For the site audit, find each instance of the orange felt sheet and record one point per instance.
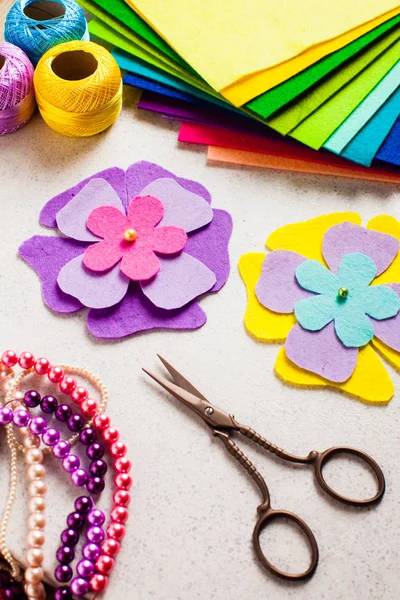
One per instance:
(285, 163)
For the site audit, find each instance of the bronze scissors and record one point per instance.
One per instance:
(222, 424)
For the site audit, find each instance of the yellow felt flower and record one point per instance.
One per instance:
(329, 289)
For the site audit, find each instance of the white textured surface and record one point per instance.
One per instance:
(5, 6)
(193, 507)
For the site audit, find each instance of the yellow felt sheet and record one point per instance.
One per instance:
(260, 322)
(370, 380)
(243, 49)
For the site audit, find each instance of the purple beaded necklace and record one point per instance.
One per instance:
(85, 513)
(116, 450)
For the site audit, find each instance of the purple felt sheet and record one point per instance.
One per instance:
(348, 238)
(115, 177)
(180, 279)
(277, 289)
(175, 201)
(388, 330)
(72, 218)
(195, 113)
(321, 352)
(47, 255)
(136, 313)
(95, 290)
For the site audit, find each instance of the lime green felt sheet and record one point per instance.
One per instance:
(290, 117)
(318, 127)
(266, 104)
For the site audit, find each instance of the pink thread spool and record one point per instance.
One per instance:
(17, 98)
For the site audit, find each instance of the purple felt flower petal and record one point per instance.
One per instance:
(321, 352)
(210, 246)
(136, 313)
(180, 280)
(95, 290)
(47, 255)
(277, 288)
(348, 238)
(388, 330)
(120, 308)
(141, 174)
(115, 177)
(182, 207)
(72, 219)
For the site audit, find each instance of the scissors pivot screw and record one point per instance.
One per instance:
(209, 411)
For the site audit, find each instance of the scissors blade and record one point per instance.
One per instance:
(180, 380)
(213, 416)
(190, 400)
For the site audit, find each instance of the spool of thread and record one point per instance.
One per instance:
(17, 97)
(37, 25)
(78, 88)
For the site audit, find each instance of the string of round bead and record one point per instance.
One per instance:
(37, 489)
(89, 408)
(93, 481)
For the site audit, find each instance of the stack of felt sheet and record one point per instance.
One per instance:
(309, 85)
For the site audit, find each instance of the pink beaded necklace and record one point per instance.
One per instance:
(34, 431)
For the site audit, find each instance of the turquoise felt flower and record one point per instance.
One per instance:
(347, 299)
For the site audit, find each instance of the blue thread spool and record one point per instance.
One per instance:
(36, 26)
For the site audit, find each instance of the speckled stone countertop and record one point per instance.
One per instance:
(193, 508)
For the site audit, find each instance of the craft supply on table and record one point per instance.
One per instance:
(336, 320)
(174, 249)
(230, 156)
(17, 96)
(244, 51)
(78, 88)
(227, 146)
(111, 17)
(223, 424)
(390, 149)
(365, 111)
(38, 25)
(91, 429)
(334, 90)
(253, 144)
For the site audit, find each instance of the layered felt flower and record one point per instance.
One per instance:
(331, 289)
(136, 247)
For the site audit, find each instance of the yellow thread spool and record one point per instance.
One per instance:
(78, 88)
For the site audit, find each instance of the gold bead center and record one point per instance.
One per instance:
(343, 292)
(130, 235)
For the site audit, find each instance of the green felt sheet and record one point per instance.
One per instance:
(288, 118)
(319, 126)
(124, 14)
(137, 42)
(106, 33)
(268, 103)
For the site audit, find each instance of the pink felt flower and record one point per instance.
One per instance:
(138, 248)
(132, 239)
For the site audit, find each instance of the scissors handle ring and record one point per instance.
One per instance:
(265, 519)
(324, 457)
